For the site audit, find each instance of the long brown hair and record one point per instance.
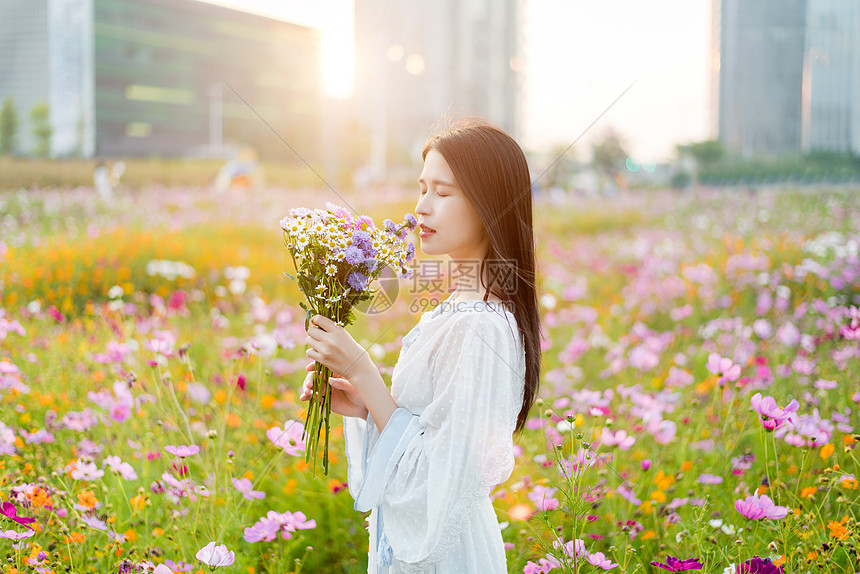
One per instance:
(492, 171)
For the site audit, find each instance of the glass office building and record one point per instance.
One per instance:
(166, 77)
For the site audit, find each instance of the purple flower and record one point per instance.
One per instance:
(758, 565)
(94, 522)
(410, 219)
(755, 507)
(677, 565)
(724, 367)
(212, 555)
(353, 255)
(357, 281)
(771, 416)
(182, 450)
(9, 510)
(710, 479)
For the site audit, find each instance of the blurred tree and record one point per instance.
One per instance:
(40, 118)
(8, 127)
(706, 153)
(562, 166)
(609, 153)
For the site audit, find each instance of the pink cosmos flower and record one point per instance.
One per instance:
(756, 507)
(114, 353)
(542, 567)
(124, 469)
(771, 416)
(244, 486)
(163, 344)
(727, 369)
(86, 470)
(290, 438)
(599, 560)
(572, 548)
(620, 438)
(542, 497)
(212, 555)
(182, 450)
(268, 527)
(13, 535)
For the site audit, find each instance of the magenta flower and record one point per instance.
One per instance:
(755, 508)
(290, 438)
(727, 369)
(8, 510)
(758, 565)
(771, 416)
(677, 565)
(182, 451)
(212, 555)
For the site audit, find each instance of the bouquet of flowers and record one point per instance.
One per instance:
(336, 257)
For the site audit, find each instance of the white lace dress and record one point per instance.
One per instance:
(427, 477)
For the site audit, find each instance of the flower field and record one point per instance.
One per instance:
(698, 405)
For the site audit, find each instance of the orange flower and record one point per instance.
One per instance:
(87, 499)
(808, 491)
(837, 529)
(826, 451)
(849, 484)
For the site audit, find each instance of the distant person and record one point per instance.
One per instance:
(241, 172)
(107, 179)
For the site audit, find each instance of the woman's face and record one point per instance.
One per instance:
(443, 206)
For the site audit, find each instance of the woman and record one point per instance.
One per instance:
(425, 456)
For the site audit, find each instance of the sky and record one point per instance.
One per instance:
(580, 56)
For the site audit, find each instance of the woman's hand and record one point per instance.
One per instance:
(331, 345)
(345, 400)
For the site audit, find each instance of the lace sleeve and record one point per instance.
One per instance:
(433, 470)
